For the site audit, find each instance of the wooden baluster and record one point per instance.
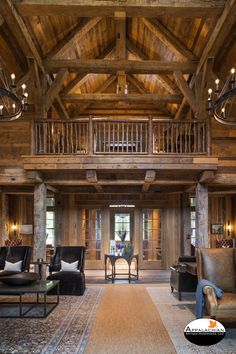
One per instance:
(109, 136)
(113, 136)
(141, 137)
(118, 136)
(122, 137)
(127, 137)
(132, 136)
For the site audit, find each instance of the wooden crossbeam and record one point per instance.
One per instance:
(112, 66)
(101, 89)
(141, 88)
(185, 89)
(77, 33)
(133, 8)
(166, 82)
(55, 88)
(83, 77)
(23, 37)
(111, 97)
(168, 38)
(216, 41)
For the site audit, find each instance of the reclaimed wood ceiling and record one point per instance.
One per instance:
(167, 38)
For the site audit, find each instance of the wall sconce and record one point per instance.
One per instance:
(14, 228)
(228, 228)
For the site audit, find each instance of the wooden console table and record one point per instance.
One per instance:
(113, 275)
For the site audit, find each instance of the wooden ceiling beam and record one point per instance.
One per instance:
(55, 88)
(101, 89)
(141, 88)
(83, 77)
(112, 97)
(185, 89)
(165, 81)
(75, 35)
(168, 38)
(134, 8)
(20, 32)
(150, 177)
(216, 41)
(112, 66)
(91, 177)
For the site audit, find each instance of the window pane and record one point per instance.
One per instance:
(51, 202)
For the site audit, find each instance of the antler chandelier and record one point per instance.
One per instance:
(11, 104)
(221, 102)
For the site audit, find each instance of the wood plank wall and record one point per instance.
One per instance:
(21, 212)
(15, 141)
(221, 209)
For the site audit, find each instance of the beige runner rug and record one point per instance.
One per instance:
(127, 321)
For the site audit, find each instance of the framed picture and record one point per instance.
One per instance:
(217, 228)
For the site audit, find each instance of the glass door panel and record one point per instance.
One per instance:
(152, 248)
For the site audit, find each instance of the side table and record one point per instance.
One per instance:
(40, 264)
(182, 281)
(113, 275)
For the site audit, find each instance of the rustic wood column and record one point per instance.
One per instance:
(40, 194)
(186, 247)
(202, 238)
(3, 218)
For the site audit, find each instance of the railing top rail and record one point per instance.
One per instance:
(119, 120)
(85, 120)
(178, 121)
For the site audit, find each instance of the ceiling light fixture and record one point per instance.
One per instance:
(221, 103)
(11, 104)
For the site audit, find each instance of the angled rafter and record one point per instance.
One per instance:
(101, 89)
(185, 89)
(164, 79)
(134, 8)
(55, 88)
(167, 37)
(77, 33)
(216, 41)
(140, 86)
(112, 66)
(20, 32)
(112, 97)
(81, 77)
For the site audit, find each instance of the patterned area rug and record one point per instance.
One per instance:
(64, 331)
(177, 314)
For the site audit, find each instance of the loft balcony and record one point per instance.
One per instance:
(91, 137)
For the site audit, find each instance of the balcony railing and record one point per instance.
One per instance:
(116, 137)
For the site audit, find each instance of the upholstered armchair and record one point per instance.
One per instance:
(219, 266)
(71, 282)
(15, 254)
(3, 256)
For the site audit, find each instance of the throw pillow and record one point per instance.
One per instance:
(69, 267)
(13, 267)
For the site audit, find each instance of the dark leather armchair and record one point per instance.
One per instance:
(71, 283)
(15, 254)
(3, 256)
(219, 266)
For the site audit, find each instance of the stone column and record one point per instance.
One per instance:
(40, 198)
(186, 225)
(202, 238)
